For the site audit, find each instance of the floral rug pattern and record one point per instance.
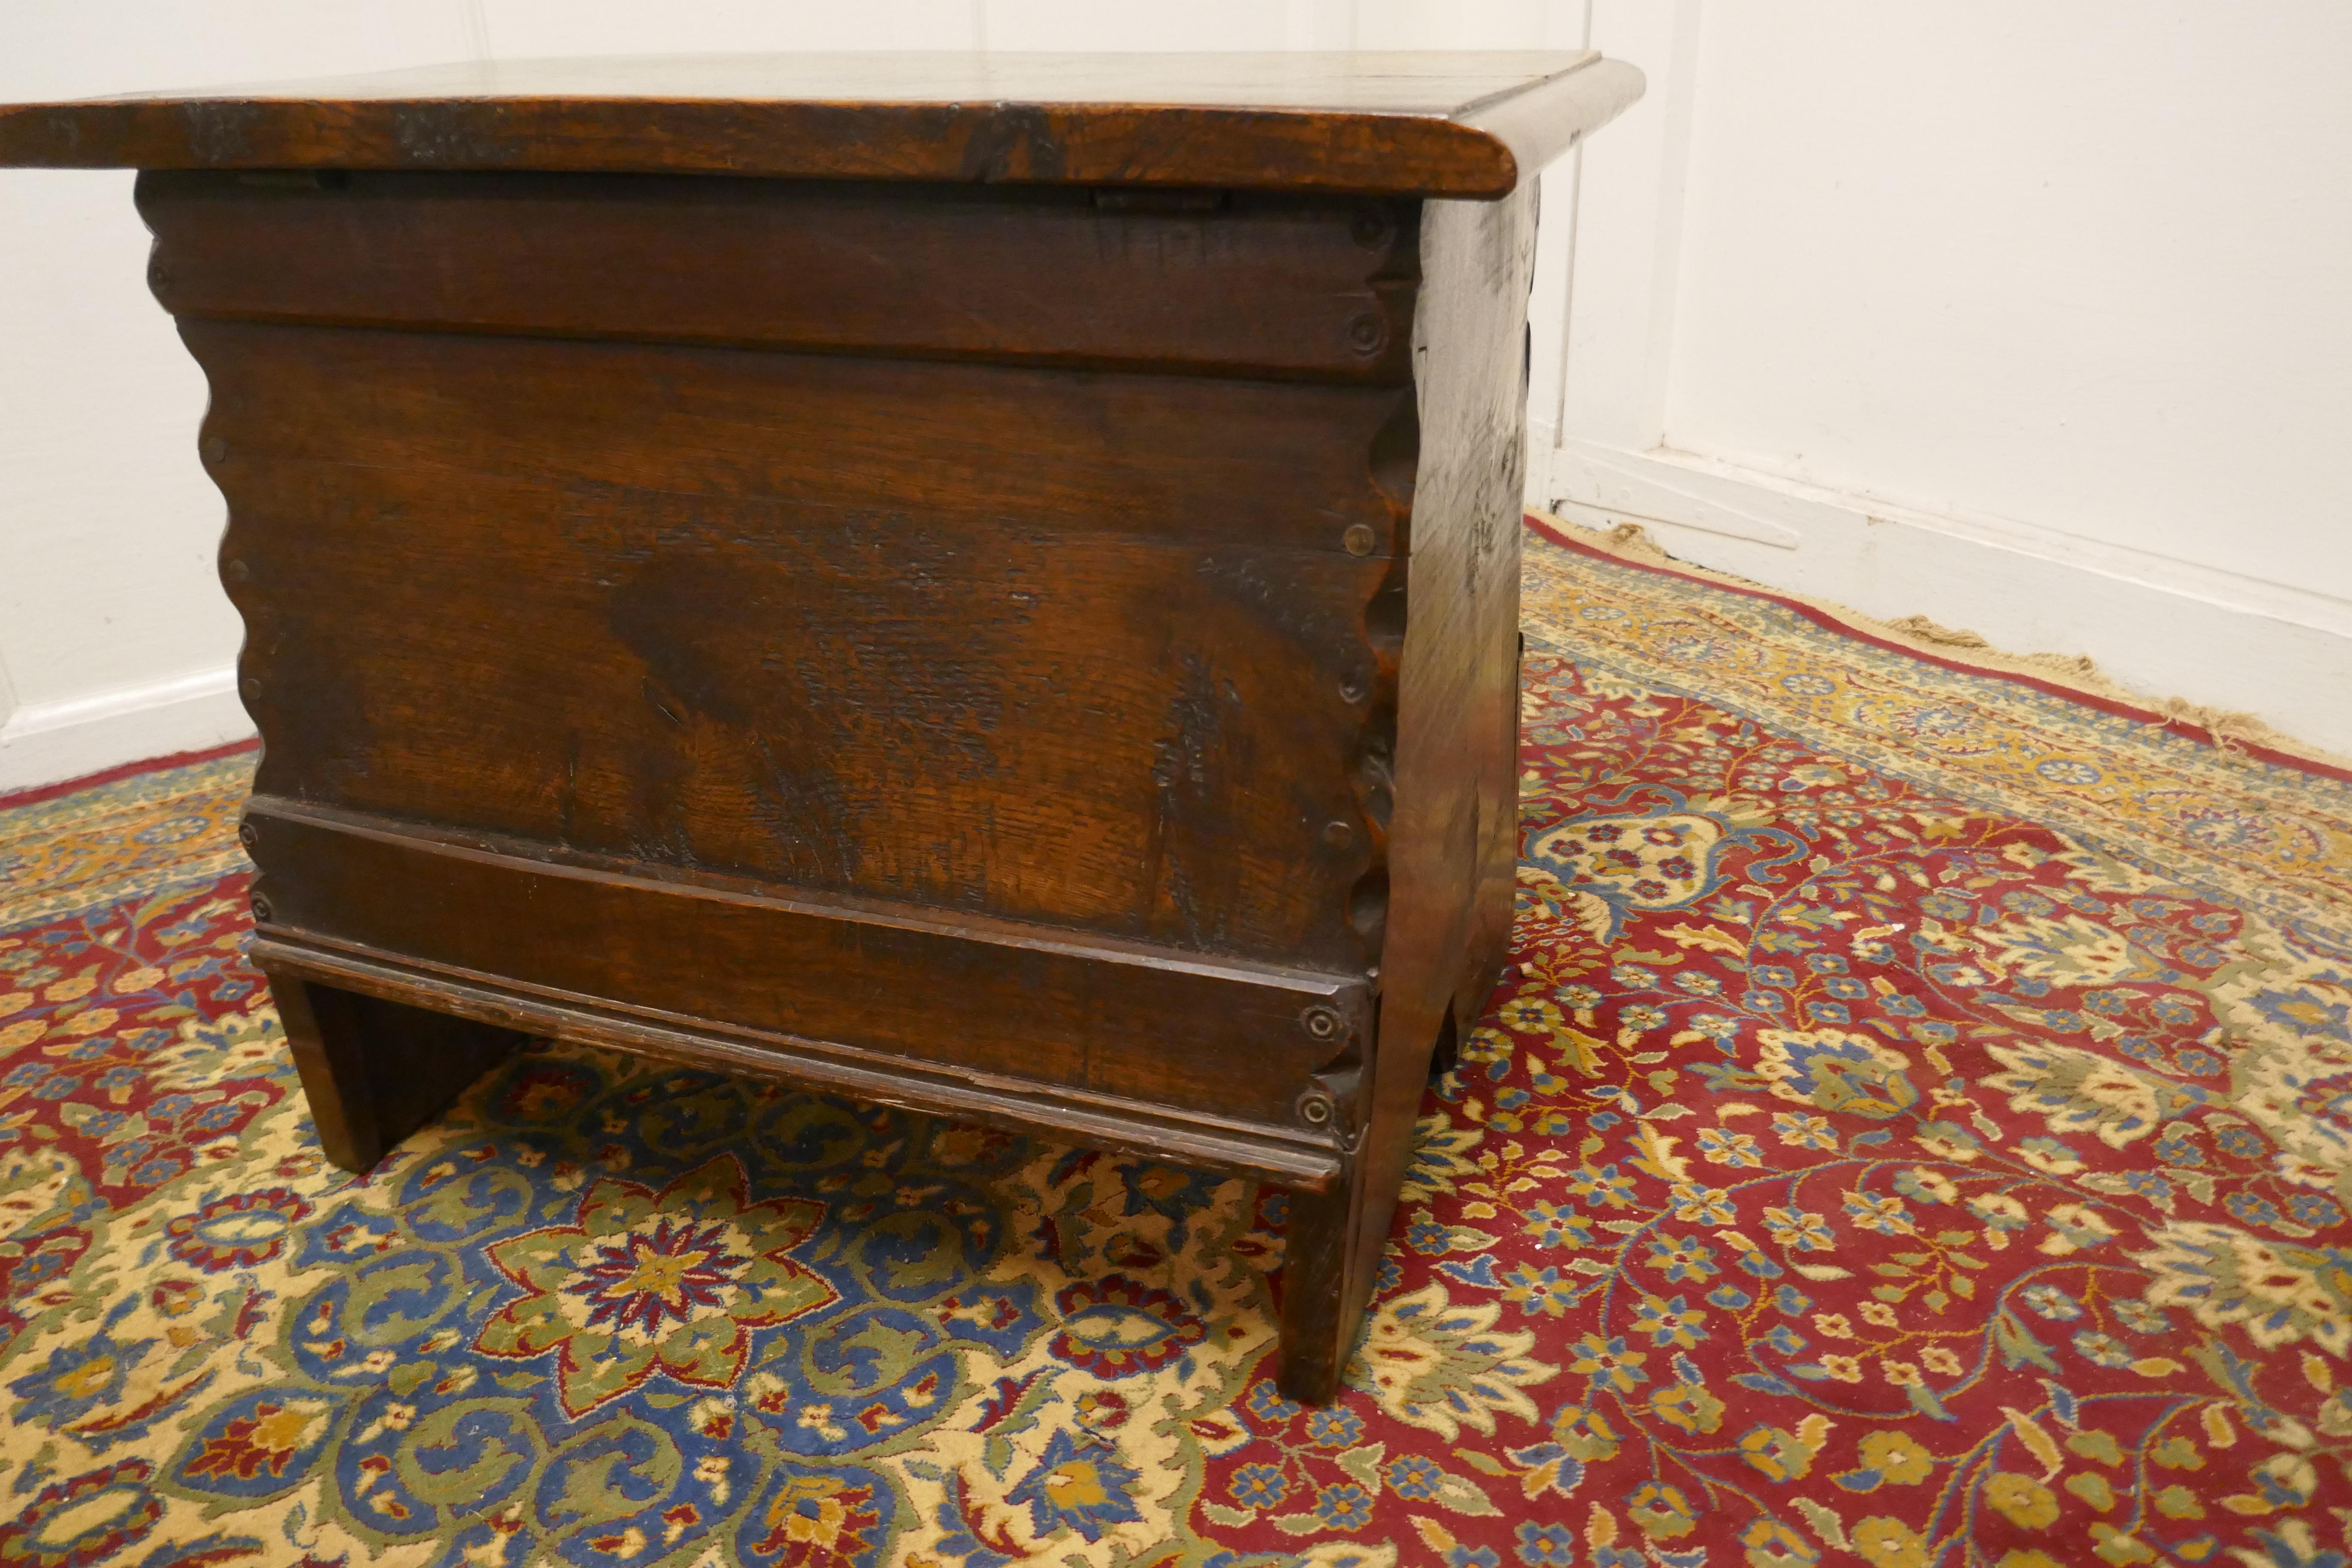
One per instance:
(1918, 1131)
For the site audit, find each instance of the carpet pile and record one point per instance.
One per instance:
(1917, 1133)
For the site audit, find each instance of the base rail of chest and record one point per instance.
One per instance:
(1012, 1105)
(1210, 1063)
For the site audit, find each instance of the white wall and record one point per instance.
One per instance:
(115, 641)
(2033, 319)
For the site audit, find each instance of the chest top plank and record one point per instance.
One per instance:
(1461, 125)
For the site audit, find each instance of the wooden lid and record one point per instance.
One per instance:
(1426, 123)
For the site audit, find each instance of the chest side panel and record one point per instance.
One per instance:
(1088, 646)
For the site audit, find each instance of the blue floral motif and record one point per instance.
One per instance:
(1258, 1486)
(1081, 1489)
(1545, 1545)
(1344, 1505)
(1331, 1428)
(80, 1377)
(1268, 1405)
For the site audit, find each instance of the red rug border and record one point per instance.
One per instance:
(36, 794)
(1831, 623)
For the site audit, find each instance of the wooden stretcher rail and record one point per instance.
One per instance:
(1009, 1104)
(1075, 1019)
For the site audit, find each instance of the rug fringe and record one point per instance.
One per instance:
(2230, 731)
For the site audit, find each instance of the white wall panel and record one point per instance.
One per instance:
(114, 638)
(2033, 317)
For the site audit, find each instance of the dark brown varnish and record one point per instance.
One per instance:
(1042, 653)
(1417, 123)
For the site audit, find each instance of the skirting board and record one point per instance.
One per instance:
(2159, 626)
(44, 742)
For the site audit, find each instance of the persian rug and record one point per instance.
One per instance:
(1917, 1131)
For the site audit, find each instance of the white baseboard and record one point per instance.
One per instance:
(44, 742)
(2161, 626)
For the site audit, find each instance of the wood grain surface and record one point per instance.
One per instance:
(1085, 649)
(1424, 123)
(1225, 1043)
(1231, 282)
(1452, 838)
(1015, 1105)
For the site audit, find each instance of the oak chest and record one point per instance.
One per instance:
(983, 583)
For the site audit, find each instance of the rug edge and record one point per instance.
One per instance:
(1850, 623)
(37, 794)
